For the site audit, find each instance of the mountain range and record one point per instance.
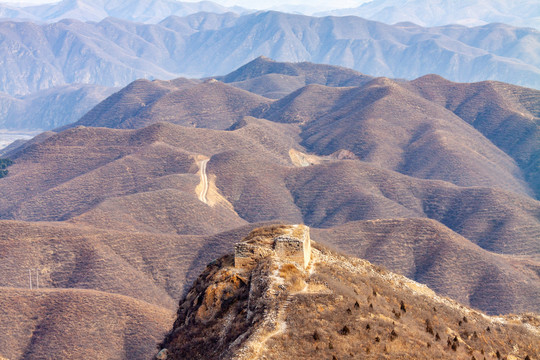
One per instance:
(435, 180)
(147, 11)
(115, 52)
(66, 67)
(523, 13)
(50, 108)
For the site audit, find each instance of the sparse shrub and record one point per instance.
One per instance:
(349, 311)
(393, 335)
(437, 337)
(316, 336)
(374, 292)
(429, 328)
(527, 357)
(475, 335)
(488, 329)
(368, 327)
(368, 350)
(330, 345)
(454, 346)
(473, 358)
(345, 330)
(465, 319)
(460, 322)
(334, 357)
(370, 306)
(377, 339)
(397, 314)
(4, 163)
(498, 354)
(356, 305)
(402, 306)
(428, 345)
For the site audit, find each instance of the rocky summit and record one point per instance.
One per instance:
(283, 296)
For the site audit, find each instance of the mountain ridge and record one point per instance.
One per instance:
(138, 209)
(429, 13)
(139, 11)
(175, 48)
(275, 307)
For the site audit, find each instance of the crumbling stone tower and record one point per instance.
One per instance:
(293, 245)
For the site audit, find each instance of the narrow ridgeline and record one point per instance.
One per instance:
(282, 296)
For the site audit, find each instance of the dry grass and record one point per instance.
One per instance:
(128, 220)
(359, 311)
(78, 324)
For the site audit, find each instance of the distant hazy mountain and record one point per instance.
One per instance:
(50, 108)
(115, 52)
(442, 12)
(147, 11)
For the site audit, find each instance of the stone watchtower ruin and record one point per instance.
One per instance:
(290, 243)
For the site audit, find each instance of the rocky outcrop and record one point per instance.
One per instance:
(339, 307)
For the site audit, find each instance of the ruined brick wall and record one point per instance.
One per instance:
(246, 255)
(294, 247)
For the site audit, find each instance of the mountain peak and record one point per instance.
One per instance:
(258, 303)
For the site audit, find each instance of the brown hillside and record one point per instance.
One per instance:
(421, 139)
(337, 192)
(508, 115)
(430, 253)
(212, 105)
(67, 256)
(338, 307)
(274, 80)
(145, 181)
(126, 103)
(164, 211)
(74, 171)
(78, 324)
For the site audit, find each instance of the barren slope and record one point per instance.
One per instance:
(145, 181)
(274, 79)
(338, 307)
(78, 324)
(507, 115)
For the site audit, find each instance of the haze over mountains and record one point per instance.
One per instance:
(115, 52)
(125, 41)
(50, 108)
(146, 11)
(523, 13)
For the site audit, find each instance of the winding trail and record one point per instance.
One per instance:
(204, 182)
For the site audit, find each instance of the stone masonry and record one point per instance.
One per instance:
(293, 246)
